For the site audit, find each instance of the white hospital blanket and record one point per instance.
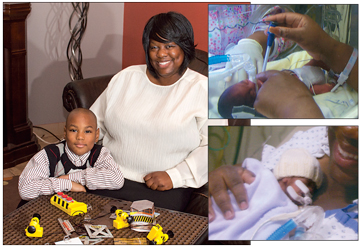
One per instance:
(266, 199)
(338, 104)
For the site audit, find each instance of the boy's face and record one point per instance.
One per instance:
(80, 132)
(290, 181)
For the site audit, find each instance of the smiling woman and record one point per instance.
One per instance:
(168, 41)
(343, 166)
(153, 118)
(166, 59)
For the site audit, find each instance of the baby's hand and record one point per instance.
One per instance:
(77, 187)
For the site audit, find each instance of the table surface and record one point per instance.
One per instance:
(187, 228)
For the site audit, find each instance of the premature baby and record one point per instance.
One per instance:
(297, 174)
(244, 92)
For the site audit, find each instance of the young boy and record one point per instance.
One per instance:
(73, 164)
(270, 194)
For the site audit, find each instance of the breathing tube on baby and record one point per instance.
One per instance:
(305, 221)
(238, 62)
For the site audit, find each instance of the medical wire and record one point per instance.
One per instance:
(238, 145)
(226, 144)
(262, 146)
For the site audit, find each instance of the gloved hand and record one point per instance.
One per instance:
(254, 50)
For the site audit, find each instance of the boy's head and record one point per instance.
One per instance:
(80, 131)
(298, 164)
(242, 93)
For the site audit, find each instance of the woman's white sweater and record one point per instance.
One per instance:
(150, 128)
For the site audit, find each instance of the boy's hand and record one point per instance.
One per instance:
(158, 181)
(77, 187)
(64, 177)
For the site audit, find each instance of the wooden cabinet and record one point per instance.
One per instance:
(19, 142)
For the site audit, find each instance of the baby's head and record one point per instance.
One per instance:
(299, 175)
(242, 93)
(80, 131)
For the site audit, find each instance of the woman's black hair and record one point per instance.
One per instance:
(170, 27)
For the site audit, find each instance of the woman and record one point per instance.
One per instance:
(340, 183)
(153, 118)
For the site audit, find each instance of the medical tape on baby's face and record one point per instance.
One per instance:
(306, 200)
(295, 196)
(305, 190)
(302, 187)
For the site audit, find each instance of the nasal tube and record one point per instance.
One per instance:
(303, 200)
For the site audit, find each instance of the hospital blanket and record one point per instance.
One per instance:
(266, 199)
(292, 61)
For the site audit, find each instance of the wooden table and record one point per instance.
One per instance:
(187, 228)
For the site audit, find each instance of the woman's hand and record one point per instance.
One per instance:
(158, 181)
(304, 31)
(284, 96)
(232, 178)
(309, 35)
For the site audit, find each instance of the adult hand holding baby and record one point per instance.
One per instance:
(283, 95)
(230, 177)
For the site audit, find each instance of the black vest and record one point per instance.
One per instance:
(56, 153)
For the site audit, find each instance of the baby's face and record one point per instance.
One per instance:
(290, 181)
(242, 93)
